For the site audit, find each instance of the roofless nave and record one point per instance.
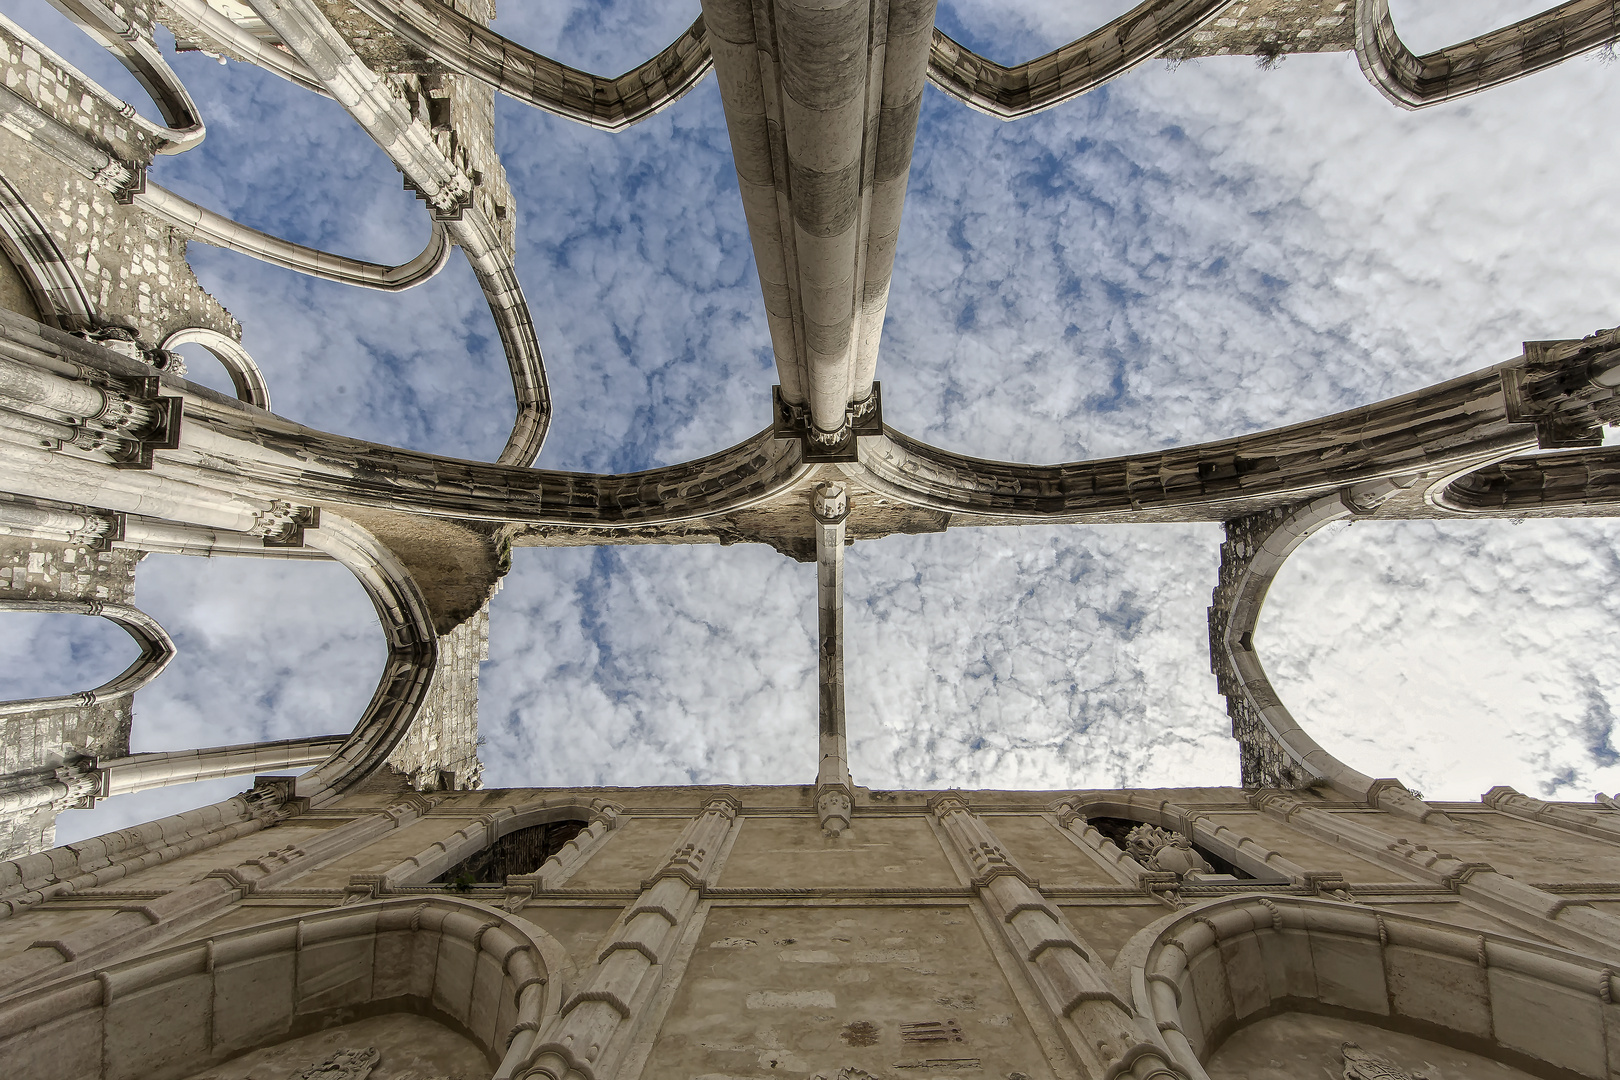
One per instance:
(583, 962)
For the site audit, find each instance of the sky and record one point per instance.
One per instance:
(1186, 254)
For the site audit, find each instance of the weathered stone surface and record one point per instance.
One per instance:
(823, 930)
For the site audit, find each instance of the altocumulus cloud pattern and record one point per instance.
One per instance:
(1194, 251)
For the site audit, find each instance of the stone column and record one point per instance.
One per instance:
(74, 784)
(834, 789)
(122, 417)
(79, 525)
(598, 1022)
(821, 102)
(1075, 985)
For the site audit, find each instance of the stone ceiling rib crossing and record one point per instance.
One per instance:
(821, 103)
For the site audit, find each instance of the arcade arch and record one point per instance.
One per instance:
(1200, 974)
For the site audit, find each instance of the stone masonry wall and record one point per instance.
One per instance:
(1265, 762)
(133, 266)
(1270, 29)
(444, 737)
(34, 744)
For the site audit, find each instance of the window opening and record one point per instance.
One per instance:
(1119, 829)
(520, 852)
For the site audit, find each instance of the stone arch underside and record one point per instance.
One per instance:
(1199, 974)
(174, 1011)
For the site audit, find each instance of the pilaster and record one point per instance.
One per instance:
(1574, 923)
(1072, 982)
(598, 1021)
(834, 789)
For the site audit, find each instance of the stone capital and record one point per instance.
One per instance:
(831, 503)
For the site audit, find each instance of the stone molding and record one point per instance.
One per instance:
(1252, 954)
(156, 650)
(1070, 981)
(1480, 63)
(599, 1021)
(1574, 924)
(497, 977)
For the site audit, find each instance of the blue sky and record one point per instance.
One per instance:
(1183, 255)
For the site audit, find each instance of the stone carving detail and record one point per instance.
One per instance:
(1165, 851)
(1360, 1065)
(347, 1064)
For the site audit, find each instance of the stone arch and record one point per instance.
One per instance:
(1202, 973)
(1277, 750)
(1219, 843)
(249, 381)
(157, 649)
(442, 856)
(1480, 63)
(53, 284)
(175, 1011)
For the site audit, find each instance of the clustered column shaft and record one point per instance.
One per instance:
(834, 789)
(1076, 987)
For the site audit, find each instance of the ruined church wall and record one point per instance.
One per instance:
(882, 950)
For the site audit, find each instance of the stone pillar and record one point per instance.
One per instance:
(26, 519)
(834, 789)
(597, 1023)
(821, 102)
(1073, 983)
(124, 418)
(46, 744)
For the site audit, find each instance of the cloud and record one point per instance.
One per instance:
(1455, 655)
(55, 655)
(1183, 255)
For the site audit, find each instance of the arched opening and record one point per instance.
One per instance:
(267, 649)
(1142, 841)
(521, 852)
(1409, 992)
(427, 967)
(205, 368)
(50, 654)
(1431, 25)
(1456, 655)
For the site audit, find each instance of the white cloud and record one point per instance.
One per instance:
(54, 655)
(1455, 655)
(1182, 256)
